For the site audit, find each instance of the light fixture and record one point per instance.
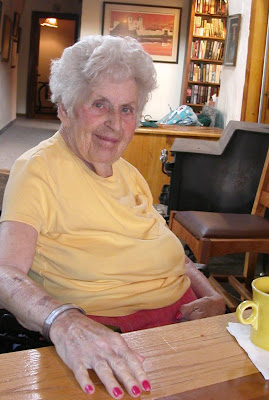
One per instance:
(51, 22)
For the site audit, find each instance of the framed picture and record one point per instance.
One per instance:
(6, 35)
(231, 43)
(15, 26)
(1, 6)
(156, 28)
(13, 58)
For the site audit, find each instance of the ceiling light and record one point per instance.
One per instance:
(51, 22)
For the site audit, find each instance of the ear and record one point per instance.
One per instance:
(63, 115)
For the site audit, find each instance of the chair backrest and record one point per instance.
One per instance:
(261, 201)
(220, 183)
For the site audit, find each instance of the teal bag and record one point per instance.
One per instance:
(183, 115)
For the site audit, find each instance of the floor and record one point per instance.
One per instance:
(233, 264)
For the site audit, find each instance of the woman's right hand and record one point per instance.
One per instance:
(83, 344)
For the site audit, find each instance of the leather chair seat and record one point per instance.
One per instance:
(221, 225)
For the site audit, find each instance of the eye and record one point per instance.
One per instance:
(127, 110)
(98, 105)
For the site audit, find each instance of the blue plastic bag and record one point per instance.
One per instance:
(183, 115)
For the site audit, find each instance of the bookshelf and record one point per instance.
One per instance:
(205, 51)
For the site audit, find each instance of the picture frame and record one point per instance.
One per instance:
(15, 25)
(13, 56)
(19, 39)
(232, 36)
(6, 37)
(156, 28)
(1, 7)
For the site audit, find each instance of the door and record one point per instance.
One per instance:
(44, 46)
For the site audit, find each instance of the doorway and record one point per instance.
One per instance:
(46, 43)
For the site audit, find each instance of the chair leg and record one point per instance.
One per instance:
(265, 258)
(240, 288)
(204, 252)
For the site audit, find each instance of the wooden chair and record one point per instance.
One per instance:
(210, 234)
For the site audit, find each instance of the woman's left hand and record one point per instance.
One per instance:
(208, 303)
(207, 306)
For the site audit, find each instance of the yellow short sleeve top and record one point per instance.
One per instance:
(101, 244)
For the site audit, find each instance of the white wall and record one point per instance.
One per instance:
(169, 75)
(8, 76)
(233, 77)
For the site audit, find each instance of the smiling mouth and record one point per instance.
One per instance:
(106, 139)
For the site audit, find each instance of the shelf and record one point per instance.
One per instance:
(201, 42)
(203, 83)
(211, 15)
(209, 38)
(207, 60)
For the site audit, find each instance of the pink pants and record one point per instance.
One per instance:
(144, 319)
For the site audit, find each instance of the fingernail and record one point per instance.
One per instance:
(146, 385)
(89, 389)
(136, 390)
(117, 392)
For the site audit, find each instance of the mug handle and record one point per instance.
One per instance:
(252, 319)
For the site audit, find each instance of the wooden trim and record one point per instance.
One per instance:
(254, 68)
(186, 69)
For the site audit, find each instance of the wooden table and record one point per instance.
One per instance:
(145, 149)
(197, 132)
(192, 360)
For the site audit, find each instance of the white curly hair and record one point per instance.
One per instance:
(94, 57)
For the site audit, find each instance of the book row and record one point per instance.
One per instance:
(213, 27)
(219, 7)
(197, 94)
(205, 72)
(207, 49)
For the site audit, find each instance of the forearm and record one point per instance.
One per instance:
(199, 283)
(24, 298)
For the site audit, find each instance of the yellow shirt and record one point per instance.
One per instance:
(101, 244)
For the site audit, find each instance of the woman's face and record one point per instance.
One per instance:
(102, 128)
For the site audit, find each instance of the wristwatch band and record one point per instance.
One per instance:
(55, 314)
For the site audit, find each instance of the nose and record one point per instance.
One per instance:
(114, 120)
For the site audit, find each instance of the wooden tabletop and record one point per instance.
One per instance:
(191, 360)
(198, 132)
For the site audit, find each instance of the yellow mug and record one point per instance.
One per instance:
(259, 317)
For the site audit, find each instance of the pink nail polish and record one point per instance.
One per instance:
(146, 385)
(136, 390)
(89, 389)
(117, 392)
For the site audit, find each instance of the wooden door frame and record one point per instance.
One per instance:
(34, 53)
(255, 58)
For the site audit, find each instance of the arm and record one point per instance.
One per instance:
(209, 302)
(79, 341)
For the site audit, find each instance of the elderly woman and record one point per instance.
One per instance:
(79, 234)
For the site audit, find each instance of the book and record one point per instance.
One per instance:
(188, 94)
